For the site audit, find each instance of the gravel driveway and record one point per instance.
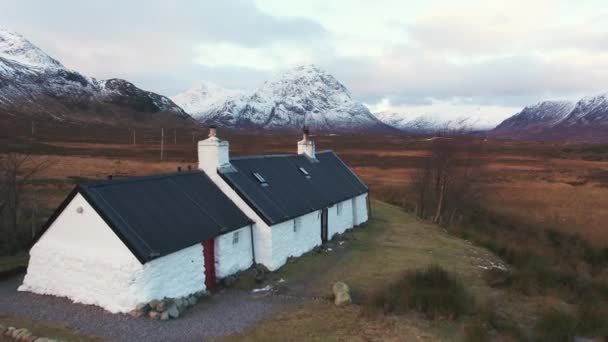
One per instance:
(225, 313)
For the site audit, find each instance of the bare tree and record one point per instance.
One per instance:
(445, 181)
(16, 172)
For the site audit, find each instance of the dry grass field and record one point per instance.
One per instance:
(550, 185)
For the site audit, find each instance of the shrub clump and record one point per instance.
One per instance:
(432, 291)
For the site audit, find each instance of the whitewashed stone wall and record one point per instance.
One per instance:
(80, 257)
(287, 243)
(339, 223)
(232, 257)
(178, 274)
(360, 209)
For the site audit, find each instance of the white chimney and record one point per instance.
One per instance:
(306, 146)
(213, 153)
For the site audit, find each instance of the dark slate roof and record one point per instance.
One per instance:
(158, 215)
(288, 192)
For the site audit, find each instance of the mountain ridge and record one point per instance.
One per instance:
(302, 96)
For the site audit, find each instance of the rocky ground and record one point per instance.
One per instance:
(225, 313)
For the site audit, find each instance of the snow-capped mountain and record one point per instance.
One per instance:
(202, 97)
(583, 121)
(305, 95)
(541, 115)
(33, 83)
(427, 123)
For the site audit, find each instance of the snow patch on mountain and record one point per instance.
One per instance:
(202, 97)
(424, 123)
(546, 113)
(15, 47)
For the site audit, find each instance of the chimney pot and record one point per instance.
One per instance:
(189, 167)
(212, 131)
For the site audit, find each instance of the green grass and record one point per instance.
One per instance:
(8, 263)
(432, 291)
(377, 253)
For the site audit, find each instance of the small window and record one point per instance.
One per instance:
(296, 225)
(259, 177)
(339, 209)
(235, 238)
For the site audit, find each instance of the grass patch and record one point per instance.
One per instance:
(8, 263)
(432, 291)
(45, 329)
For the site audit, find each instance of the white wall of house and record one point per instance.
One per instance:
(360, 209)
(339, 218)
(289, 242)
(233, 252)
(81, 258)
(178, 274)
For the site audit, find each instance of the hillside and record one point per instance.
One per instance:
(585, 121)
(33, 84)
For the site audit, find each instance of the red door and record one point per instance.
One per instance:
(209, 256)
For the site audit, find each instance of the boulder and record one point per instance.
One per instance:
(179, 302)
(143, 307)
(192, 301)
(173, 311)
(164, 316)
(163, 305)
(341, 294)
(154, 315)
(153, 304)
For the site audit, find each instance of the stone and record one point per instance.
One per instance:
(173, 311)
(3, 329)
(179, 302)
(154, 303)
(143, 307)
(22, 333)
(163, 305)
(164, 316)
(201, 294)
(192, 300)
(341, 294)
(9, 331)
(154, 315)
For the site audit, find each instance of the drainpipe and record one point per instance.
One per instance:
(252, 244)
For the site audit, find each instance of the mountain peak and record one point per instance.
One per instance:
(15, 47)
(304, 95)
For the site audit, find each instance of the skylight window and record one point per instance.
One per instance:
(303, 170)
(260, 179)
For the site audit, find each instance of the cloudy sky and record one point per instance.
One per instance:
(448, 56)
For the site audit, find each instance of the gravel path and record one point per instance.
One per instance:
(225, 313)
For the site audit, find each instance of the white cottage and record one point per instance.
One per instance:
(297, 201)
(117, 243)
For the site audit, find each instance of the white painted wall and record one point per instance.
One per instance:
(360, 209)
(232, 257)
(178, 274)
(80, 257)
(286, 242)
(338, 223)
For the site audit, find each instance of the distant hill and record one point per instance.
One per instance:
(305, 95)
(33, 84)
(585, 121)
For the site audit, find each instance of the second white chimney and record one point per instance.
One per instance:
(306, 146)
(213, 153)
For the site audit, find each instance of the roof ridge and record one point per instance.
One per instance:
(134, 179)
(278, 155)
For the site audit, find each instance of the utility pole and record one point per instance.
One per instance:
(175, 136)
(162, 143)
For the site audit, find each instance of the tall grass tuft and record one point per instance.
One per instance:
(432, 291)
